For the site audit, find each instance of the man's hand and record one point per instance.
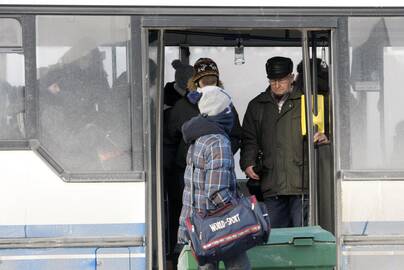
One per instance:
(320, 138)
(251, 174)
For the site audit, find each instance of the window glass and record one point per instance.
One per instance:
(84, 92)
(10, 33)
(374, 133)
(374, 106)
(12, 107)
(171, 53)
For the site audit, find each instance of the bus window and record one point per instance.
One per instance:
(373, 179)
(170, 54)
(375, 110)
(12, 81)
(84, 92)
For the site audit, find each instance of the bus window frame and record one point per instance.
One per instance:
(16, 144)
(134, 56)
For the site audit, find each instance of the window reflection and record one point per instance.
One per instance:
(374, 105)
(12, 107)
(84, 93)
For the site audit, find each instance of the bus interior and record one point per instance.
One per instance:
(241, 55)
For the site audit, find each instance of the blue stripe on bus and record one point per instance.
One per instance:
(62, 251)
(132, 258)
(73, 230)
(12, 231)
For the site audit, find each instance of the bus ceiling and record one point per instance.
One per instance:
(229, 37)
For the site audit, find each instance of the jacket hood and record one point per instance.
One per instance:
(199, 126)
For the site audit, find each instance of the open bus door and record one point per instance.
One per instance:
(317, 84)
(170, 38)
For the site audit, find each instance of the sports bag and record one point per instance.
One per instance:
(231, 229)
(234, 228)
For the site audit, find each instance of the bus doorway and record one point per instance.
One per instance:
(241, 56)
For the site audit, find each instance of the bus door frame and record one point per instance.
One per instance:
(161, 23)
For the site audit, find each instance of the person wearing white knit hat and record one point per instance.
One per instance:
(213, 100)
(209, 174)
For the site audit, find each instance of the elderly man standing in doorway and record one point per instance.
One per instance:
(272, 126)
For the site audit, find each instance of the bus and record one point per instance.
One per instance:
(81, 113)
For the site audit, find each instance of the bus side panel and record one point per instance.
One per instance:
(73, 258)
(32, 194)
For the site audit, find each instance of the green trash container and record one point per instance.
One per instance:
(288, 248)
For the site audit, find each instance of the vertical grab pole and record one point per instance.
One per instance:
(313, 219)
(314, 73)
(314, 86)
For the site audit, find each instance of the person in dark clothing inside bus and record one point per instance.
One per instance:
(185, 109)
(272, 124)
(323, 87)
(325, 189)
(173, 91)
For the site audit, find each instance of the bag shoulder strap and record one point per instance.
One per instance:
(192, 147)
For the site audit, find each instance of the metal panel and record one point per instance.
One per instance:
(238, 22)
(31, 90)
(11, 50)
(340, 73)
(152, 80)
(85, 177)
(72, 242)
(14, 145)
(147, 153)
(220, 11)
(104, 177)
(313, 212)
(373, 175)
(137, 92)
(356, 240)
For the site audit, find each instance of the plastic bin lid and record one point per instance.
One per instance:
(288, 235)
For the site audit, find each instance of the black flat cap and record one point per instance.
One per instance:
(278, 67)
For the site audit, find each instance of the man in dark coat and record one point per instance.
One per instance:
(272, 124)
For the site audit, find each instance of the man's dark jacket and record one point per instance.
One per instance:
(278, 135)
(183, 111)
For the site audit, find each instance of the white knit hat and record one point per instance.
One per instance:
(213, 101)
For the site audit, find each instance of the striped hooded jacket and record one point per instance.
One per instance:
(210, 168)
